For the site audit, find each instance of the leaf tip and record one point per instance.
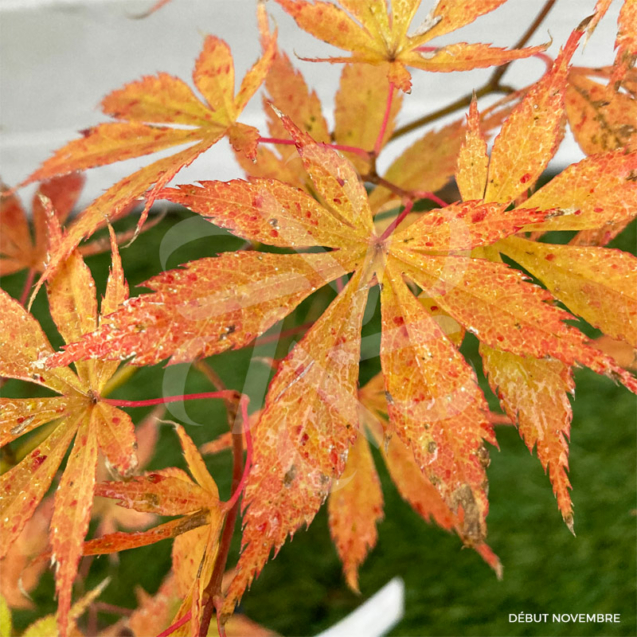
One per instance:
(570, 524)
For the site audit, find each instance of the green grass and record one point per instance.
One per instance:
(449, 591)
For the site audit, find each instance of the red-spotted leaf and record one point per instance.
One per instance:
(598, 284)
(355, 506)
(439, 412)
(304, 434)
(380, 37)
(534, 393)
(531, 135)
(156, 100)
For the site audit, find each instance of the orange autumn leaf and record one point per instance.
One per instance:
(110, 516)
(375, 35)
(198, 310)
(534, 393)
(173, 492)
(355, 506)
(445, 397)
(430, 162)
(18, 574)
(304, 433)
(287, 91)
(359, 112)
(360, 106)
(625, 43)
(592, 204)
(530, 136)
(19, 249)
(25, 245)
(601, 7)
(598, 284)
(147, 111)
(75, 413)
(413, 486)
(602, 120)
(311, 416)
(592, 193)
(473, 160)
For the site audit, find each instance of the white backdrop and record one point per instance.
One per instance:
(58, 58)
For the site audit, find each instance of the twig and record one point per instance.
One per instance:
(420, 194)
(383, 127)
(225, 394)
(493, 85)
(526, 36)
(413, 195)
(374, 178)
(213, 589)
(178, 624)
(246, 469)
(392, 226)
(28, 284)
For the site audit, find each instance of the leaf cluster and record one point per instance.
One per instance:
(313, 212)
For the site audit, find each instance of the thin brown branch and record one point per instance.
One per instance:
(493, 85)
(526, 36)
(374, 178)
(461, 102)
(213, 589)
(410, 195)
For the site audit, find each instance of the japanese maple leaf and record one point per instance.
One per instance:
(25, 247)
(430, 162)
(375, 35)
(359, 112)
(110, 516)
(602, 121)
(173, 492)
(360, 108)
(154, 614)
(597, 284)
(310, 418)
(20, 248)
(411, 483)
(355, 503)
(360, 105)
(156, 113)
(18, 574)
(626, 40)
(75, 412)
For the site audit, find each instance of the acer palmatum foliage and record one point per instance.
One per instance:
(440, 273)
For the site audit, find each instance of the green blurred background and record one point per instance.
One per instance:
(449, 591)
